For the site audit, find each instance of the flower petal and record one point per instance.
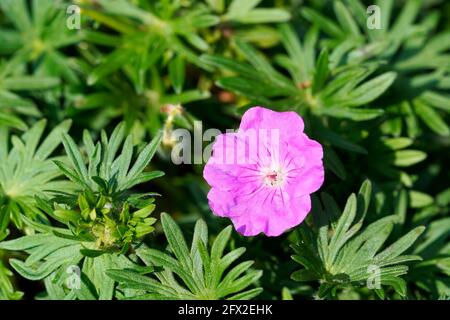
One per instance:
(288, 123)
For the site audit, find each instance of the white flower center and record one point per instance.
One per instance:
(273, 177)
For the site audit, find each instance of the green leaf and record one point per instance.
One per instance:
(176, 240)
(68, 172)
(400, 245)
(201, 272)
(134, 280)
(405, 19)
(420, 199)
(431, 118)
(286, 294)
(197, 41)
(18, 104)
(340, 142)
(240, 283)
(110, 64)
(219, 244)
(177, 73)
(200, 236)
(333, 162)
(346, 19)
(52, 140)
(263, 66)
(340, 255)
(326, 24)
(303, 275)
(17, 12)
(144, 157)
(10, 120)
(205, 21)
(238, 8)
(232, 65)
(123, 7)
(345, 221)
(30, 83)
(75, 157)
(264, 16)
(296, 53)
(216, 5)
(125, 159)
(352, 113)
(397, 143)
(142, 178)
(185, 97)
(4, 222)
(406, 158)
(371, 89)
(322, 71)
(246, 295)
(436, 100)
(244, 87)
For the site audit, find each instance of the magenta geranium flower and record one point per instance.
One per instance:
(263, 174)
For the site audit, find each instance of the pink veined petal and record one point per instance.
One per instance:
(222, 170)
(308, 147)
(289, 123)
(273, 221)
(240, 148)
(295, 213)
(307, 181)
(233, 178)
(220, 202)
(272, 193)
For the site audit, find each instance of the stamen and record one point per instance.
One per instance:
(273, 177)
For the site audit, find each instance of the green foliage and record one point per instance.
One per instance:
(54, 252)
(377, 100)
(341, 254)
(308, 87)
(418, 58)
(201, 271)
(28, 171)
(105, 173)
(151, 40)
(432, 274)
(102, 221)
(34, 37)
(7, 291)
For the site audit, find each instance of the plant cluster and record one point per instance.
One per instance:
(91, 92)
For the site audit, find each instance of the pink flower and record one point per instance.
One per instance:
(263, 174)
